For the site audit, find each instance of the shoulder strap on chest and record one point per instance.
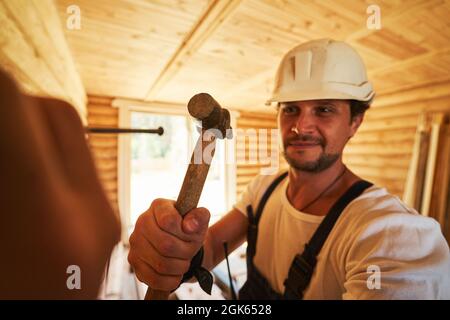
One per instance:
(254, 219)
(302, 267)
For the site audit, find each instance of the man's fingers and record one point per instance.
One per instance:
(162, 264)
(168, 218)
(146, 274)
(166, 244)
(159, 247)
(196, 221)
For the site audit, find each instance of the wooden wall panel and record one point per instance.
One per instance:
(246, 170)
(104, 146)
(382, 149)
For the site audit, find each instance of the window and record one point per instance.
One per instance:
(152, 166)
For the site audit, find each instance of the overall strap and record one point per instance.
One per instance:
(303, 265)
(254, 218)
(267, 194)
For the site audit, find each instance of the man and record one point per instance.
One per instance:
(322, 232)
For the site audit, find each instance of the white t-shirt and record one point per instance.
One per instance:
(376, 231)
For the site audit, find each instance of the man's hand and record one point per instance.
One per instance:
(163, 243)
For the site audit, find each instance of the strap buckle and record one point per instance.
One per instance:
(298, 278)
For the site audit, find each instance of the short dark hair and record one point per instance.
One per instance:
(358, 107)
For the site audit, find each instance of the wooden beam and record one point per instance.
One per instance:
(414, 179)
(213, 17)
(447, 219)
(436, 125)
(438, 208)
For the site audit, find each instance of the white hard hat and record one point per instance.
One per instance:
(322, 69)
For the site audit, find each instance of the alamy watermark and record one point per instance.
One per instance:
(74, 280)
(252, 146)
(374, 19)
(374, 280)
(73, 21)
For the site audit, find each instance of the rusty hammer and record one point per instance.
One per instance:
(215, 123)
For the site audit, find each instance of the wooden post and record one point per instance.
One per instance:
(438, 208)
(436, 125)
(412, 195)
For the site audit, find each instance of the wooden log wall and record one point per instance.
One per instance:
(246, 123)
(381, 150)
(104, 147)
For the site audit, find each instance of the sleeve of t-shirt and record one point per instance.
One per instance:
(398, 256)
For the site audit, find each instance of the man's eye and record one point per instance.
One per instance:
(290, 110)
(324, 110)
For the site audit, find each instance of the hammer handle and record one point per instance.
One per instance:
(191, 189)
(195, 177)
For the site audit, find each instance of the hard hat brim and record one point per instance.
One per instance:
(326, 91)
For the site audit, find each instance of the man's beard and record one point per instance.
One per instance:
(324, 162)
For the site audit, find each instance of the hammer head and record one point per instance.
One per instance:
(205, 109)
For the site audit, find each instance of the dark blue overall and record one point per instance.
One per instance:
(302, 268)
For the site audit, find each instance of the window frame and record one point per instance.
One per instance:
(126, 107)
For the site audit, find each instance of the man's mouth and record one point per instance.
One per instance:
(303, 144)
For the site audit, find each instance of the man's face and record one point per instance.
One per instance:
(315, 132)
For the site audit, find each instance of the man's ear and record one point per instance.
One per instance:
(356, 122)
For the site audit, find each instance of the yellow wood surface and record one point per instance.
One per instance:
(34, 50)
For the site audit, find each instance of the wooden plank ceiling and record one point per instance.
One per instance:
(168, 50)
(33, 50)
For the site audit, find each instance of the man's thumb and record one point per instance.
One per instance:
(196, 220)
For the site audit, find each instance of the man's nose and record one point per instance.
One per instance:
(305, 124)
